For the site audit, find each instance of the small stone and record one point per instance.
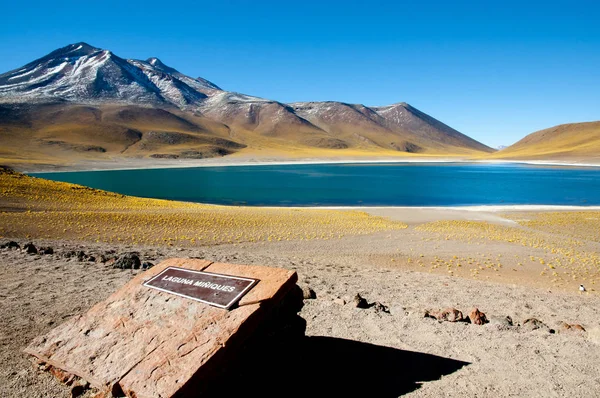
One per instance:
(69, 254)
(91, 259)
(447, 315)
(12, 245)
(308, 293)
(381, 308)
(128, 261)
(46, 250)
(477, 317)
(532, 324)
(501, 322)
(147, 265)
(360, 302)
(30, 248)
(339, 301)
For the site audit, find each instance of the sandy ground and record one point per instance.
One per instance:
(39, 292)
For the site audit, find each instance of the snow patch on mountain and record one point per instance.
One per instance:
(86, 74)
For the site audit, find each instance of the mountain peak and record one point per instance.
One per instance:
(158, 64)
(154, 61)
(84, 46)
(74, 50)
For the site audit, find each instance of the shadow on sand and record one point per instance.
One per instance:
(329, 367)
(281, 361)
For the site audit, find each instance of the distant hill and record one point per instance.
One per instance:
(567, 142)
(85, 102)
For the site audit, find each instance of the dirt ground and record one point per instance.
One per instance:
(440, 359)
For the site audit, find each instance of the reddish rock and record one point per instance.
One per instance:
(446, 315)
(61, 375)
(565, 327)
(477, 317)
(147, 343)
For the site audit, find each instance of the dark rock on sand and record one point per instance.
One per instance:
(30, 248)
(147, 265)
(78, 254)
(381, 308)
(128, 261)
(46, 250)
(360, 302)
(81, 256)
(477, 317)
(12, 245)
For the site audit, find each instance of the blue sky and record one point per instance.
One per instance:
(495, 71)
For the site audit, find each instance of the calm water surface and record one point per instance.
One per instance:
(399, 184)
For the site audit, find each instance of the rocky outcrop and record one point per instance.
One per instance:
(142, 342)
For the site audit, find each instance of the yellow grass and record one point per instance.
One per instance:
(37, 208)
(569, 254)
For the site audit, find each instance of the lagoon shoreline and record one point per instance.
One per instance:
(236, 161)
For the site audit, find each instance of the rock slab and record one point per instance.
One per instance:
(142, 342)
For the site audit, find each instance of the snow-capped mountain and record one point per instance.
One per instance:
(80, 74)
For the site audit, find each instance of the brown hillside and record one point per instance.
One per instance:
(61, 134)
(566, 142)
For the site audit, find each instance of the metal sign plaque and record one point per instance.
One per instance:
(219, 290)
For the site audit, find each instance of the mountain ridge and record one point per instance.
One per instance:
(81, 74)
